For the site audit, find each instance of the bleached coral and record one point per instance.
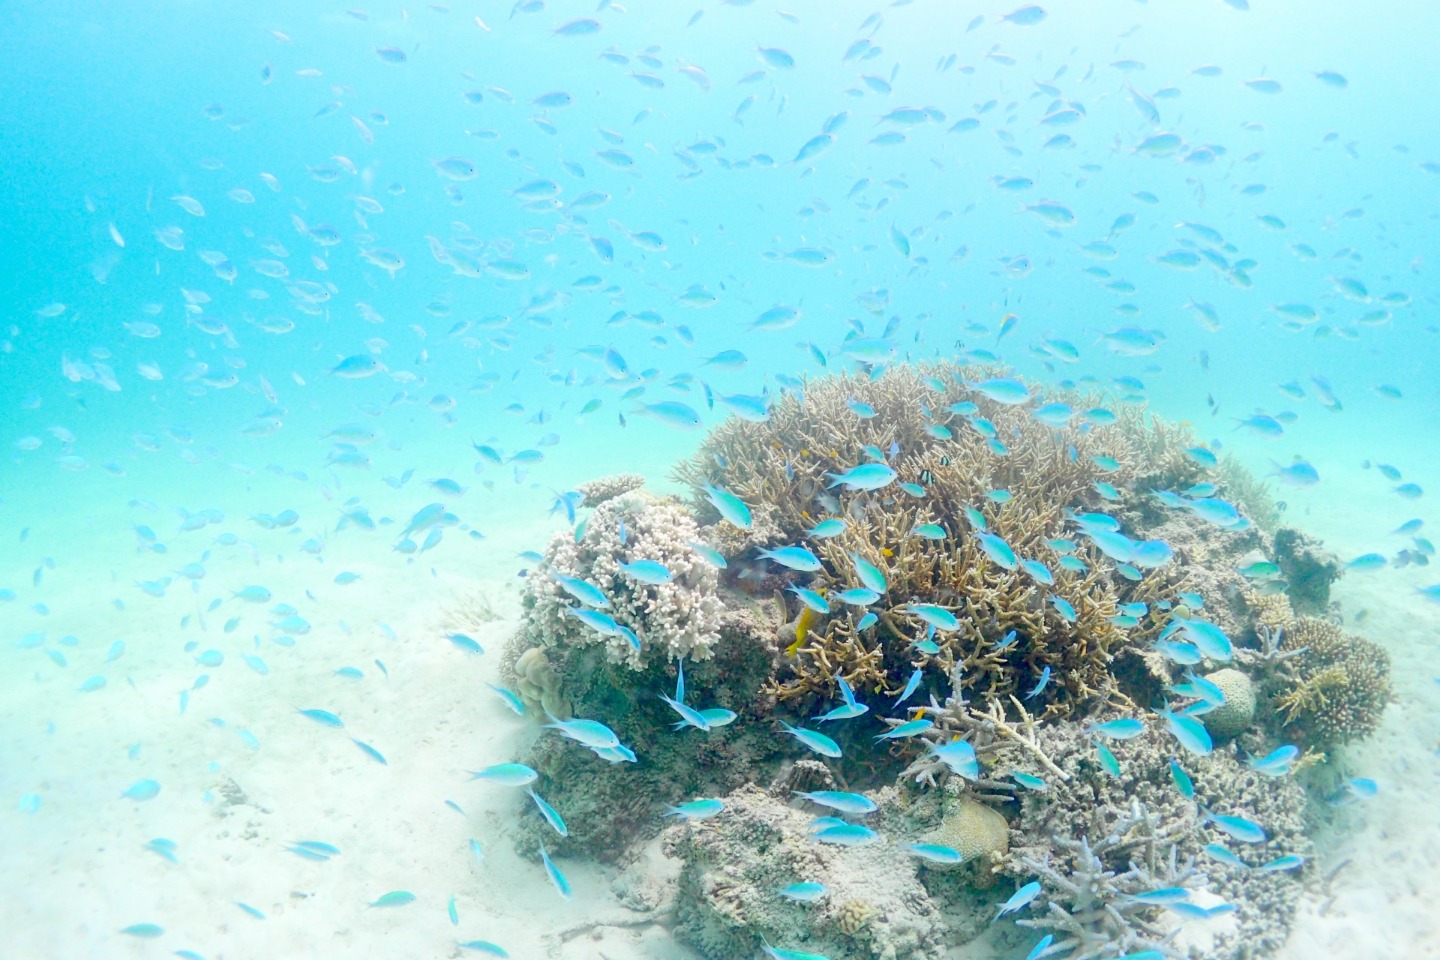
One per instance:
(680, 618)
(598, 491)
(1095, 803)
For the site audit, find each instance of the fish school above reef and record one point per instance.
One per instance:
(934, 653)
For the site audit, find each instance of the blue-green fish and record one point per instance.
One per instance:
(1001, 390)
(795, 558)
(562, 886)
(866, 476)
(506, 774)
(813, 740)
(998, 550)
(935, 615)
(583, 591)
(730, 507)
(647, 571)
(702, 809)
(839, 800)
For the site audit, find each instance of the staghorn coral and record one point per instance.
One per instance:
(734, 864)
(1336, 689)
(1089, 889)
(675, 619)
(1092, 803)
(598, 491)
(959, 461)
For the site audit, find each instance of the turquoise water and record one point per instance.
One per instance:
(528, 225)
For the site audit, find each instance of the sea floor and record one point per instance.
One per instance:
(78, 868)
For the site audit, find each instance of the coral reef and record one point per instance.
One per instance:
(1336, 687)
(736, 864)
(1161, 830)
(962, 577)
(979, 833)
(596, 492)
(675, 619)
(1308, 568)
(609, 806)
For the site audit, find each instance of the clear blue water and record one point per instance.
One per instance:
(141, 384)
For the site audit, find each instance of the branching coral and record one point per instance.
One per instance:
(963, 462)
(1094, 802)
(1090, 889)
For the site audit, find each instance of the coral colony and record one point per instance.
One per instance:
(938, 654)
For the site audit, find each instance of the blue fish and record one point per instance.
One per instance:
(1019, 899)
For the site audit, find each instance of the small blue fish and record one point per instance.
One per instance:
(1224, 855)
(730, 507)
(1190, 732)
(1238, 827)
(866, 476)
(583, 591)
(465, 642)
(1029, 781)
(997, 550)
(395, 898)
(936, 853)
(562, 886)
(837, 800)
(1122, 729)
(817, 742)
(810, 598)
(370, 752)
(911, 686)
(142, 790)
(795, 558)
(702, 809)
(1040, 686)
(832, 527)
(910, 728)
(959, 756)
(591, 733)
(551, 816)
(506, 774)
(1182, 780)
(648, 571)
(1108, 760)
(804, 892)
(848, 835)
(1019, 899)
(510, 698)
(324, 717)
